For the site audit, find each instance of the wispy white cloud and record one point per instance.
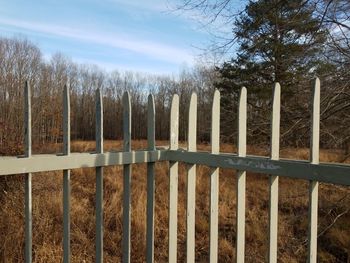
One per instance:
(149, 5)
(110, 67)
(148, 48)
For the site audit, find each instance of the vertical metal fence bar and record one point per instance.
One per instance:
(173, 179)
(126, 178)
(214, 179)
(241, 175)
(273, 208)
(99, 178)
(191, 181)
(28, 176)
(66, 177)
(150, 180)
(313, 186)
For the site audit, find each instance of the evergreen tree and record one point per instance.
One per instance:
(278, 41)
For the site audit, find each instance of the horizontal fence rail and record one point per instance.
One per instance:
(312, 171)
(323, 172)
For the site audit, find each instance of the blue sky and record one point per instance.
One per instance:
(113, 34)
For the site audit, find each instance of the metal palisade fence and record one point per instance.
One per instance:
(313, 171)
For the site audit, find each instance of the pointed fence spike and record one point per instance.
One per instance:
(150, 181)
(27, 120)
(173, 180)
(99, 121)
(151, 123)
(215, 123)
(99, 178)
(126, 178)
(174, 122)
(241, 175)
(273, 179)
(191, 180)
(214, 179)
(66, 121)
(28, 176)
(126, 121)
(66, 176)
(313, 185)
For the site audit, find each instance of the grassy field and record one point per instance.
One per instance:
(334, 215)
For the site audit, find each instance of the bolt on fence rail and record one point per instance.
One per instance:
(312, 171)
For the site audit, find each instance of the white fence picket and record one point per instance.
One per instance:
(214, 179)
(241, 176)
(313, 186)
(191, 181)
(273, 207)
(173, 179)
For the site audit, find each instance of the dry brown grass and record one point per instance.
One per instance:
(334, 244)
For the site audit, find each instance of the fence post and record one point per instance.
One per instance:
(150, 180)
(173, 179)
(273, 207)
(99, 178)
(66, 176)
(241, 175)
(28, 176)
(126, 178)
(214, 179)
(313, 186)
(191, 181)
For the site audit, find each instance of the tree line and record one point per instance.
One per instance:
(23, 61)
